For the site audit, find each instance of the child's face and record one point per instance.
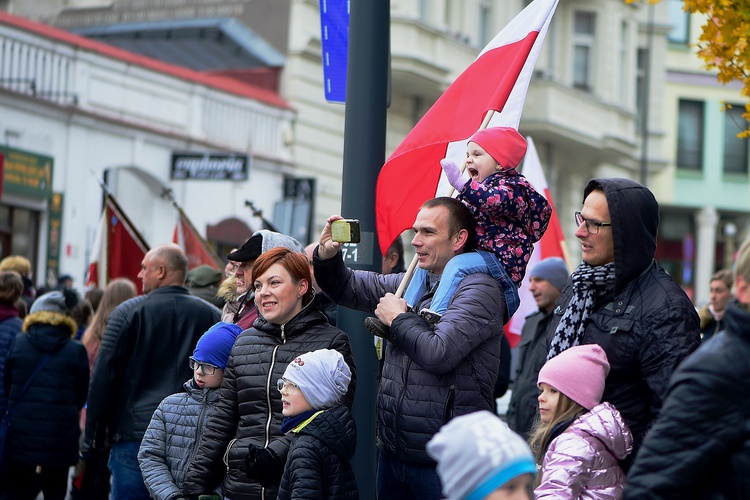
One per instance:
(292, 400)
(203, 379)
(548, 397)
(479, 163)
(518, 488)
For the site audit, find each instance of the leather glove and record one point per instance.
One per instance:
(263, 466)
(453, 173)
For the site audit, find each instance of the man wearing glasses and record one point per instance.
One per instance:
(623, 300)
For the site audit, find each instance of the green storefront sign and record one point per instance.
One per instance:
(29, 175)
(26, 173)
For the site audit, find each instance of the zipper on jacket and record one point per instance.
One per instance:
(201, 418)
(226, 453)
(269, 415)
(448, 411)
(398, 409)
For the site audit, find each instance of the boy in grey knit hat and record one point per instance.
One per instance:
(479, 457)
(324, 435)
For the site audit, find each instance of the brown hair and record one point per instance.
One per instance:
(725, 276)
(11, 287)
(295, 263)
(566, 410)
(117, 292)
(459, 218)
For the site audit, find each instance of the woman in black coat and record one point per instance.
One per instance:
(43, 436)
(249, 413)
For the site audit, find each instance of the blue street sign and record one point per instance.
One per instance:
(334, 28)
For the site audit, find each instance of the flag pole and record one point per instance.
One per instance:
(167, 193)
(109, 196)
(259, 213)
(413, 264)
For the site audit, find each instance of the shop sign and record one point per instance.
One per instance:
(26, 173)
(54, 234)
(209, 166)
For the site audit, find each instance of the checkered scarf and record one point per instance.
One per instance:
(588, 284)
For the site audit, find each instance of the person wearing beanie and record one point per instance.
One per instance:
(180, 419)
(243, 446)
(236, 290)
(579, 441)
(42, 441)
(510, 217)
(546, 282)
(203, 281)
(479, 457)
(323, 432)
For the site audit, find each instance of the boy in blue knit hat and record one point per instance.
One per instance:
(180, 419)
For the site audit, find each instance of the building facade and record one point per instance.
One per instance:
(607, 100)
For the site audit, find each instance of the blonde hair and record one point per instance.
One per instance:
(567, 410)
(16, 263)
(117, 292)
(742, 266)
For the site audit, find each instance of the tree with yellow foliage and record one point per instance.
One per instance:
(723, 43)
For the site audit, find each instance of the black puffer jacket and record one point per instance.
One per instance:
(430, 375)
(249, 409)
(699, 447)
(647, 326)
(44, 429)
(143, 358)
(318, 462)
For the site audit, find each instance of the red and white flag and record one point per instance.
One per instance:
(552, 244)
(118, 248)
(193, 244)
(496, 81)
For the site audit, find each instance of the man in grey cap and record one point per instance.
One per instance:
(546, 281)
(237, 291)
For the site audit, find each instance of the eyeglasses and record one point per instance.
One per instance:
(592, 226)
(206, 368)
(290, 387)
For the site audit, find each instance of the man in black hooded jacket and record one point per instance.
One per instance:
(623, 300)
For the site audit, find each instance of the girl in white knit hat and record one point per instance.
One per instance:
(578, 441)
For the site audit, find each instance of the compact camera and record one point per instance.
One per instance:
(345, 230)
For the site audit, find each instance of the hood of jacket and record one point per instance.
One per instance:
(605, 423)
(49, 331)
(634, 213)
(336, 428)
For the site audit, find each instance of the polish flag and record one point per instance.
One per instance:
(552, 244)
(195, 247)
(494, 84)
(118, 248)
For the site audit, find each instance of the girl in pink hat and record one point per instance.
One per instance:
(578, 440)
(510, 217)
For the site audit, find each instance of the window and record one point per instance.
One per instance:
(640, 83)
(680, 21)
(583, 49)
(485, 21)
(622, 90)
(735, 149)
(690, 135)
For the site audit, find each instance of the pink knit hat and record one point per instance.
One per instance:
(579, 373)
(504, 144)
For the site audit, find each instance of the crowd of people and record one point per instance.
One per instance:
(236, 383)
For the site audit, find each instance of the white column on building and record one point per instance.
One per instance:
(706, 221)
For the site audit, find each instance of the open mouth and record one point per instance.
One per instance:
(473, 171)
